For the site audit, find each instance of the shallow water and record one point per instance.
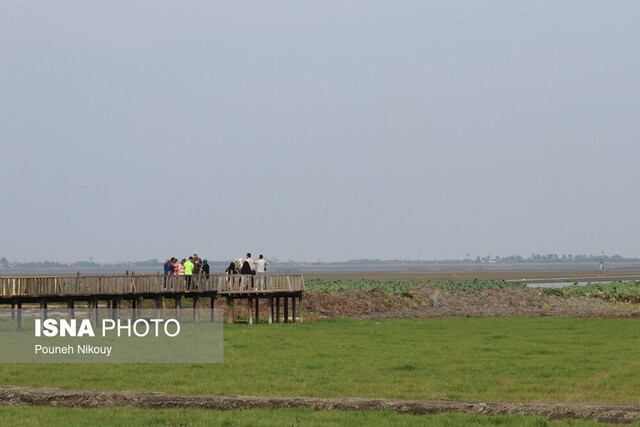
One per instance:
(561, 284)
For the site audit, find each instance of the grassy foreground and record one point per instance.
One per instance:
(38, 416)
(512, 359)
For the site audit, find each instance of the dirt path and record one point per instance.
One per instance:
(603, 412)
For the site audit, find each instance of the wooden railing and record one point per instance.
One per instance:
(132, 284)
(240, 283)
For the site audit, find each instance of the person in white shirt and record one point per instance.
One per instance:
(251, 263)
(261, 268)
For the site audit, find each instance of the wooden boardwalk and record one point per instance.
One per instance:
(282, 293)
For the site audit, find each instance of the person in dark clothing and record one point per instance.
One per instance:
(204, 271)
(168, 270)
(197, 264)
(246, 268)
(232, 268)
(231, 271)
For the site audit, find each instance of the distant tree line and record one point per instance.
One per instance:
(57, 264)
(534, 258)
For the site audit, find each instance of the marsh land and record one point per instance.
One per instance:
(480, 344)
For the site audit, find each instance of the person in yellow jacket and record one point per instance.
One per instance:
(188, 271)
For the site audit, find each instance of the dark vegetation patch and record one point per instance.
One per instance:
(366, 298)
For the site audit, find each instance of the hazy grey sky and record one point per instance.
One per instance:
(314, 130)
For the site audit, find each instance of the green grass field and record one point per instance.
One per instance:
(39, 416)
(516, 359)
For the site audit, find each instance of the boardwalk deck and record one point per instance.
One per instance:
(277, 290)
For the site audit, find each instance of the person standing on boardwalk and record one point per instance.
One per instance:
(168, 270)
(197, 264)
(168, 266)
(188, 271)
(247, 269)
(252, 264)
(205, 271)
(261, 269)
(180, 269)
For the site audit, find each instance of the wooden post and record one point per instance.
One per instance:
(270, 309)
(229, 309)
(257, 310)
(43, 309)
(195, 312)
(94, 307)
(250, 310)
(300, 307)
(178, 305)
(13, 312)
(277, 309)
(158, 305)
(70, 307)
(213, 308)
(115, 304)
(286, 309)
(293, 309)
(19, 326)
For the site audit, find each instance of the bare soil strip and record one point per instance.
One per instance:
(602, 412)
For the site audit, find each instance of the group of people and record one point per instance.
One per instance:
(196, 266)
(248, 266)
